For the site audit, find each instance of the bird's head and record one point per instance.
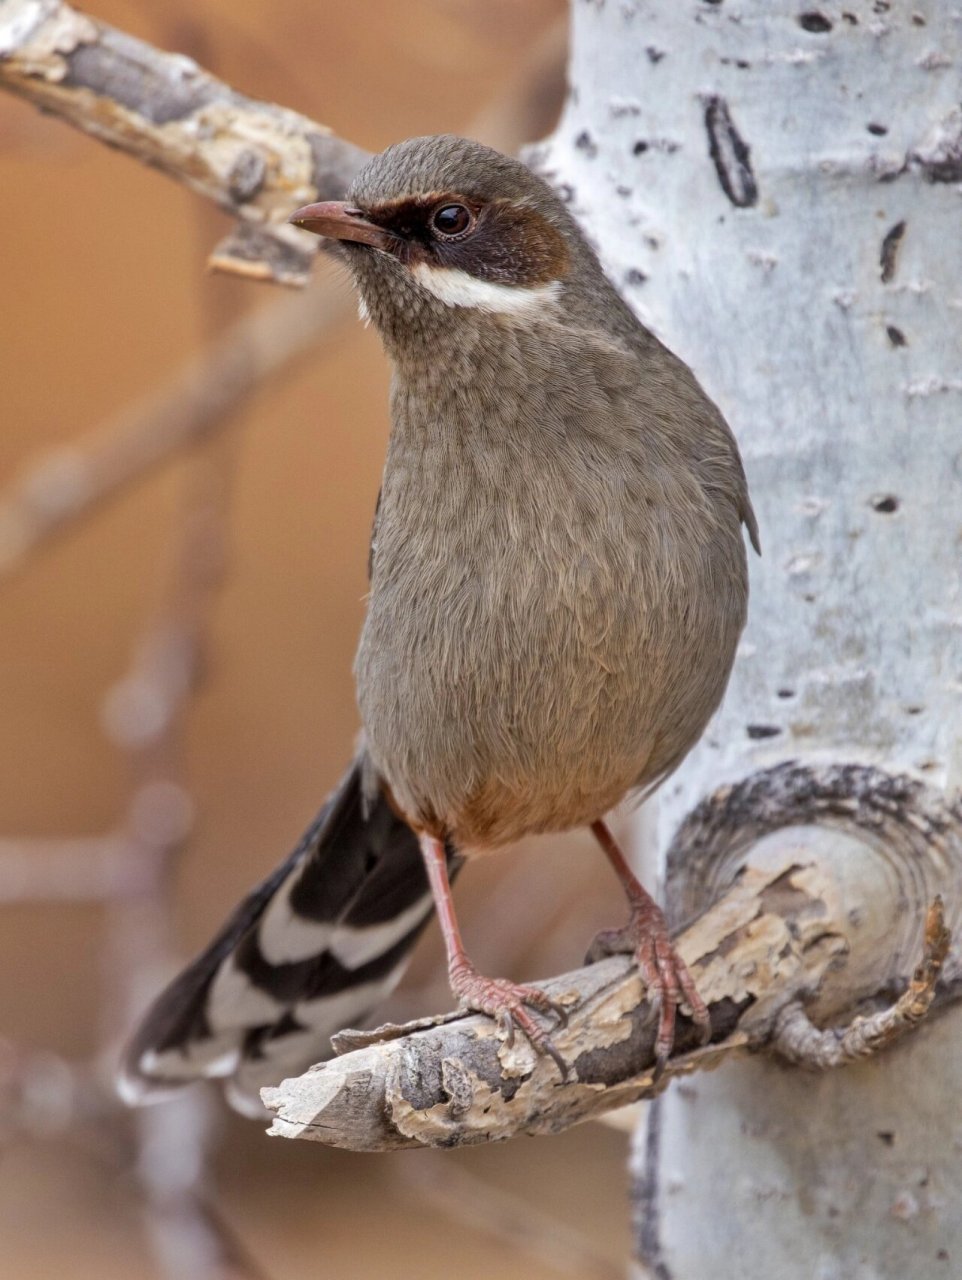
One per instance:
(438, 229)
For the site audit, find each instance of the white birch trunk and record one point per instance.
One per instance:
(778, 191)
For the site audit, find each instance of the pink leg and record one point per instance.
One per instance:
(502, 1000)
(646, 936)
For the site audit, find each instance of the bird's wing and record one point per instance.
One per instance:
(309, 951)
(372, 547)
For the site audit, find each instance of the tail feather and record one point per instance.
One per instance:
(312, 949)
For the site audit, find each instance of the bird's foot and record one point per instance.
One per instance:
(664, 972)
(508, 1004)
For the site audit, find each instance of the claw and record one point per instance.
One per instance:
(560, 1012)
(646, 935)
(501, 1000)
(540, 1040)
(506, 1026)
(505, 1002)
(664, 973)
(547, 1047)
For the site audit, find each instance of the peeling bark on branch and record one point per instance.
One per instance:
(803, 920)
(256, 160)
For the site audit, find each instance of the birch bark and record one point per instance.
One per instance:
(777, 188)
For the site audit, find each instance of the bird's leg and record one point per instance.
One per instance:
(646, 937)
(506, 1002)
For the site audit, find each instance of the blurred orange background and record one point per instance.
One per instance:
(107, 294)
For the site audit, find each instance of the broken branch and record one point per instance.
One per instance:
(255, 160)
(811, 917)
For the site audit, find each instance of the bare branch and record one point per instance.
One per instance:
(255, 160)
(785, 932)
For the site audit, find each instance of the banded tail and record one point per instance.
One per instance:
(311, 950)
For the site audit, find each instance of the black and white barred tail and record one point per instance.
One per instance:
(311, 950)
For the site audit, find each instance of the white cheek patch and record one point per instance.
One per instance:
(456, 288)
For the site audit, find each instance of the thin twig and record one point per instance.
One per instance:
(799, 1041)
(75, 869)
(147, 714)
(528, 1231)
(62, 485)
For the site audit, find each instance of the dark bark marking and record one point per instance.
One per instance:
(422, 1082)
(730, 155)
(896, 336)
(889, 253)
(116, 67)
(891, 807)
(757, 731)
(647, 1208)
(606, 1066)
(943, 163)
(586, 143)
(885, 504)
(815, 22)
(246, 176)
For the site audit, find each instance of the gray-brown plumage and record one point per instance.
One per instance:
(558, 584)
(559, 578)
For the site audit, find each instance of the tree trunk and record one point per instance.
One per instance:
(777, 192)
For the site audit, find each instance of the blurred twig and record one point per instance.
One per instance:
(255, 160)
(190, 1239)
(145, 712)
(61, 485)
(541, 1237)
(74, 869)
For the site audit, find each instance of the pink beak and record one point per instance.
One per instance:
(338, 220)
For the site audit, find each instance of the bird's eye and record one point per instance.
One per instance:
(452, 219)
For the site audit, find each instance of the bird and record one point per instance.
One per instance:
(558, 584)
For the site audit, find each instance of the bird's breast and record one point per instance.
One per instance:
(535, 610)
